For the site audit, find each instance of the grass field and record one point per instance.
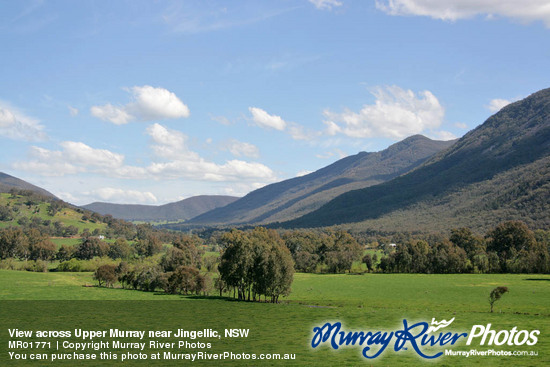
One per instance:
(67, 216)
(60, 301)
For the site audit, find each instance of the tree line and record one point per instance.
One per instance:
(510, 247)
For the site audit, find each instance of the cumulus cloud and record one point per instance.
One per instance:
(497, 104)
(296, 131)
(171, 159)
(396, 114)
(148, 104)
(452, 10)
(82, 154)
(111, 194)
(178, 161)
(326, 4)
(264, 119)
(74, 157)
(108, 112)
(16, 125)
(170, 144)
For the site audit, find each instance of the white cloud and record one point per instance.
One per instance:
(157, 103)
(497, 104)
(178, 161)
(461, 125)
(242, 149)
(396, 114)
(452, 10)
(172, 159)
(108, 112)
(111, 194)
(169, 144)
(82, 154)
(16, 125)
(264, 119)
(326, 4)
(148, 104)
(75, 157)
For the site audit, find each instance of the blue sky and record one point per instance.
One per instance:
(154, 101)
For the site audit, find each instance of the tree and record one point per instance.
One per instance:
(120, 249)
(256, 263)
(185, 279)
(367, 260)
(496, 294)
(42, 250)
(91, 247)
(106, 275)
(236, 261)
(343, 252)
(508, 239)
(5, 213)
(13, 243)
(148, 246)
(55, 206)
(220, 285)
(465, 239)
(65, 253)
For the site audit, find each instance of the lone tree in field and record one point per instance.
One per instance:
(496, 294)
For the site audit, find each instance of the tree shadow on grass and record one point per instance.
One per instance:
(538, 279)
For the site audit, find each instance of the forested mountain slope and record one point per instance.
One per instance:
(498, 171)
(294, 197)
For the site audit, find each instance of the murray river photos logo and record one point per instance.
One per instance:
(417, 336)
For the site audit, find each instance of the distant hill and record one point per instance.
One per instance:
(297, 196)
(8, 183)
(181, 210)
(498, 171)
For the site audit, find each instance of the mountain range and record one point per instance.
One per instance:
(295, 197)
(178, 211)
(498, 171)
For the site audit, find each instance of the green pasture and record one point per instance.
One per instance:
(60, 241)
(370, 302)
(67, 216)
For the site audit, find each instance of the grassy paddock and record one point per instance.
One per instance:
(369, 302)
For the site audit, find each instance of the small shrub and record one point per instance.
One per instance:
(496, 294)
(36, 266)
(72, 265)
